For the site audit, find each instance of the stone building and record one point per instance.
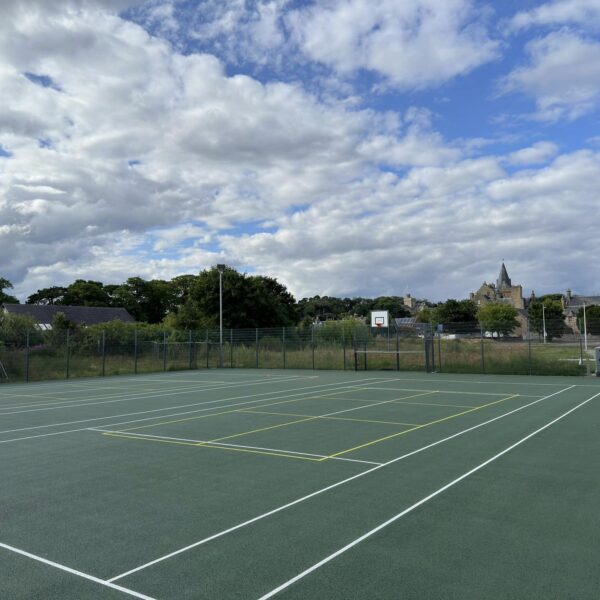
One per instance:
(503, 291)
(572, 304)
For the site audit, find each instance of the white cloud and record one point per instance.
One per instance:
(585, 13)
(563, 76)
(438, 232)
(145, 161)
(537, 154)
(412, 44)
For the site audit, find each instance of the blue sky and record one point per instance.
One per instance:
(345, 147)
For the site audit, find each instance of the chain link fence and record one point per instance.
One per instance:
(36, 355)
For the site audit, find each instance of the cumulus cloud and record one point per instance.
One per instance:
(562, 76)
(125, 156)
(537, 154)
(394, 39)
(585, 13)
(441, 230)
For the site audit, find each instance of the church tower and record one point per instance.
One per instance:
(503, 281)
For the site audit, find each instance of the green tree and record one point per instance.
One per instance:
(498, 318)
(592, 319)
(5, 284)
(85, 293)
(456, 315)
(14, 328)
(393, 304)
(551, 311)
(146, 301)
(51, 295)
(248, 301)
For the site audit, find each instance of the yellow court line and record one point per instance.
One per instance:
(393, 435)
(294, 422)
(224, 412)
(236, 435)
(208, 445)
(237, 410)
(262, 412)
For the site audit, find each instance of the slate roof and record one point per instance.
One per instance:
(88, 315)
(503, 279)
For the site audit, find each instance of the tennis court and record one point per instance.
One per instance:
(234, 483)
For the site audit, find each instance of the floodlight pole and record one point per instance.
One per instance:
(544, 321)
(221, 268)
(584, 329)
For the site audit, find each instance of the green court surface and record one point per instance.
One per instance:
(245, 484)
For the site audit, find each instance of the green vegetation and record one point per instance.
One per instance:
(5, 284)
(550, 312)
(592, 320)
(498, 318)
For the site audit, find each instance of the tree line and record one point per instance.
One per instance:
(192, 301)
(249, 301)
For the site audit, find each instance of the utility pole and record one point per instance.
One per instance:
(221, 269)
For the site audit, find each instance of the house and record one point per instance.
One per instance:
(572, 304)
(80, 315)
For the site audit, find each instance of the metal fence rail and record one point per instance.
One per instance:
(456, 347)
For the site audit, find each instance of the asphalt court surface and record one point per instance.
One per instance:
(300, 484)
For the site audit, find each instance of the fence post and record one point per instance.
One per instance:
(103, 353)
(164, 349)
(190, 348)
(207, 347)
(397, 350)
(529, 347)
(439, 351)
(344, 348)
(283, 345)
(68, 352)
(256, 347)
(482, 350)
(27, 359)
(231, 348)
(135, 351)
(312, 344)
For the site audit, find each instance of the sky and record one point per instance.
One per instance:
(344, 147)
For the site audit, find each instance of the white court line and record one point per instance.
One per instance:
(219, 444)
(488, 381)
(381, 526)
(297, 393)
(56, 565)
(137, 395)
(143, 412)
(461, 392)
(329, 487)
(315, 417)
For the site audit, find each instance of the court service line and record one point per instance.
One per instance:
(282, 452)
(137, 395)
(329, 487)
(488, 382)
(118, 393)
(435, 422)
(303, 396)
(282, 414)
(460, 392)
(297, 393)
(416, 403)
(56, 565)
(422, 501)
(337, 412)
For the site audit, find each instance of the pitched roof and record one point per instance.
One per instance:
(503, 278)
(88, 315)
(578, 301)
